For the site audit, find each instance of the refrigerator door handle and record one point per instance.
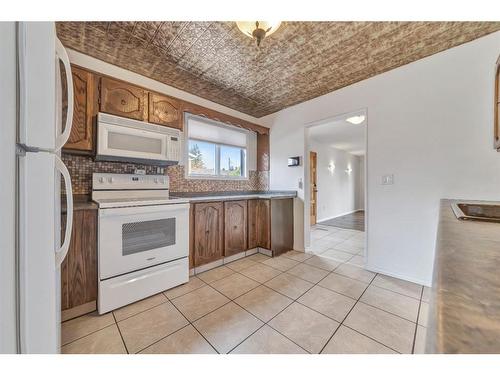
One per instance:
(63, 250)
(62, 55)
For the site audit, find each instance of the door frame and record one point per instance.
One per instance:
(313, 190)
(307, 185)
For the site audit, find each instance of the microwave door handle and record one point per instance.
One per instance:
(62, 55)
(63, 250)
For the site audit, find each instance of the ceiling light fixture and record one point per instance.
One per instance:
(356, 120)
(258, 30)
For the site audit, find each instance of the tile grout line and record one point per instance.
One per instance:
(293, 300)
(418, 317)
(120, 332)
(281, 272)
(191, 323)
(86, 335)
(343, 320)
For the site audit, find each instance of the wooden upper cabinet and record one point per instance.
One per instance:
(84, 110)
(259, 223)
(235, 228)
(262, 152)
(208, 232)
(123, 99)
(164, 110)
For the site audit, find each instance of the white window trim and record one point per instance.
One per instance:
(188, 176)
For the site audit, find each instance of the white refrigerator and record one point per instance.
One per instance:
(34, 55)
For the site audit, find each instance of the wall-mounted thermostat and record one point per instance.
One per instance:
(294, 161)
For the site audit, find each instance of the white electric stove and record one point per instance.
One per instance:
(143, 238)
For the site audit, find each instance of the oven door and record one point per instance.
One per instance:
(133, 238)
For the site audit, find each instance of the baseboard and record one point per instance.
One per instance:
(333, 217)
(396, 275)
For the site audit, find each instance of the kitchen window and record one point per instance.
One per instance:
(216, 150)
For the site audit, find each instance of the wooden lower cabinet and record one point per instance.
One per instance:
(235, 227)
(79, 268)
(259, 228)
(223, 229)
(281, 225)
(207, 228)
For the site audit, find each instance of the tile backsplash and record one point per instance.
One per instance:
(81, 168)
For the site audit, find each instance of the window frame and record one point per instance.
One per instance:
(218, 145)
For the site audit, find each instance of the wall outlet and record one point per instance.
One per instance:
(301, 184)
(388, 179)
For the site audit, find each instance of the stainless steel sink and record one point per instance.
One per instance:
(476, 211)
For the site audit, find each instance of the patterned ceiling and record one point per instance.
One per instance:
(300, 61)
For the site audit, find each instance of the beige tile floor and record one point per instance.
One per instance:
(295, 303)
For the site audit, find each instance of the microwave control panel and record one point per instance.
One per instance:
(174, 148)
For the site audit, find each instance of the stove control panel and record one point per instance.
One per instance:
(117, 181)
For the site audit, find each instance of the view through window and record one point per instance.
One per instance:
(212, 159)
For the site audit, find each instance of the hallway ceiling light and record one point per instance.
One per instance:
(356, 120)
(258, 30)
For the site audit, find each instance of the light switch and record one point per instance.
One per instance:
(388, 179)
(300, 183)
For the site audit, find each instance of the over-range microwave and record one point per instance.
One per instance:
(122, 139)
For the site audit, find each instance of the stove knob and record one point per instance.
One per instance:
(110, 180)
(156, 180)
(101, 179)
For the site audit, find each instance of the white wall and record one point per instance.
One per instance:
(338, 191)
(430, 124)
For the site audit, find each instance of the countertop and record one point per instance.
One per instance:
(465, 299)
(80, 202)
(234, 195)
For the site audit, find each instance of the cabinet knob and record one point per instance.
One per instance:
(123, 102)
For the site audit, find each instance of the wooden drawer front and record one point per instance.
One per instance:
(84, 110)
(208, 232)
(164, 111)
(79, 269)
(235, 230)
(259, 228)
(122, 99)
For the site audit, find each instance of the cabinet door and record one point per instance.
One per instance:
(235, 229)
(79, 269)
(84, 111)
(208, 232)
(123, 99)
(259, 228)
(281, 225)
(164, 110)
